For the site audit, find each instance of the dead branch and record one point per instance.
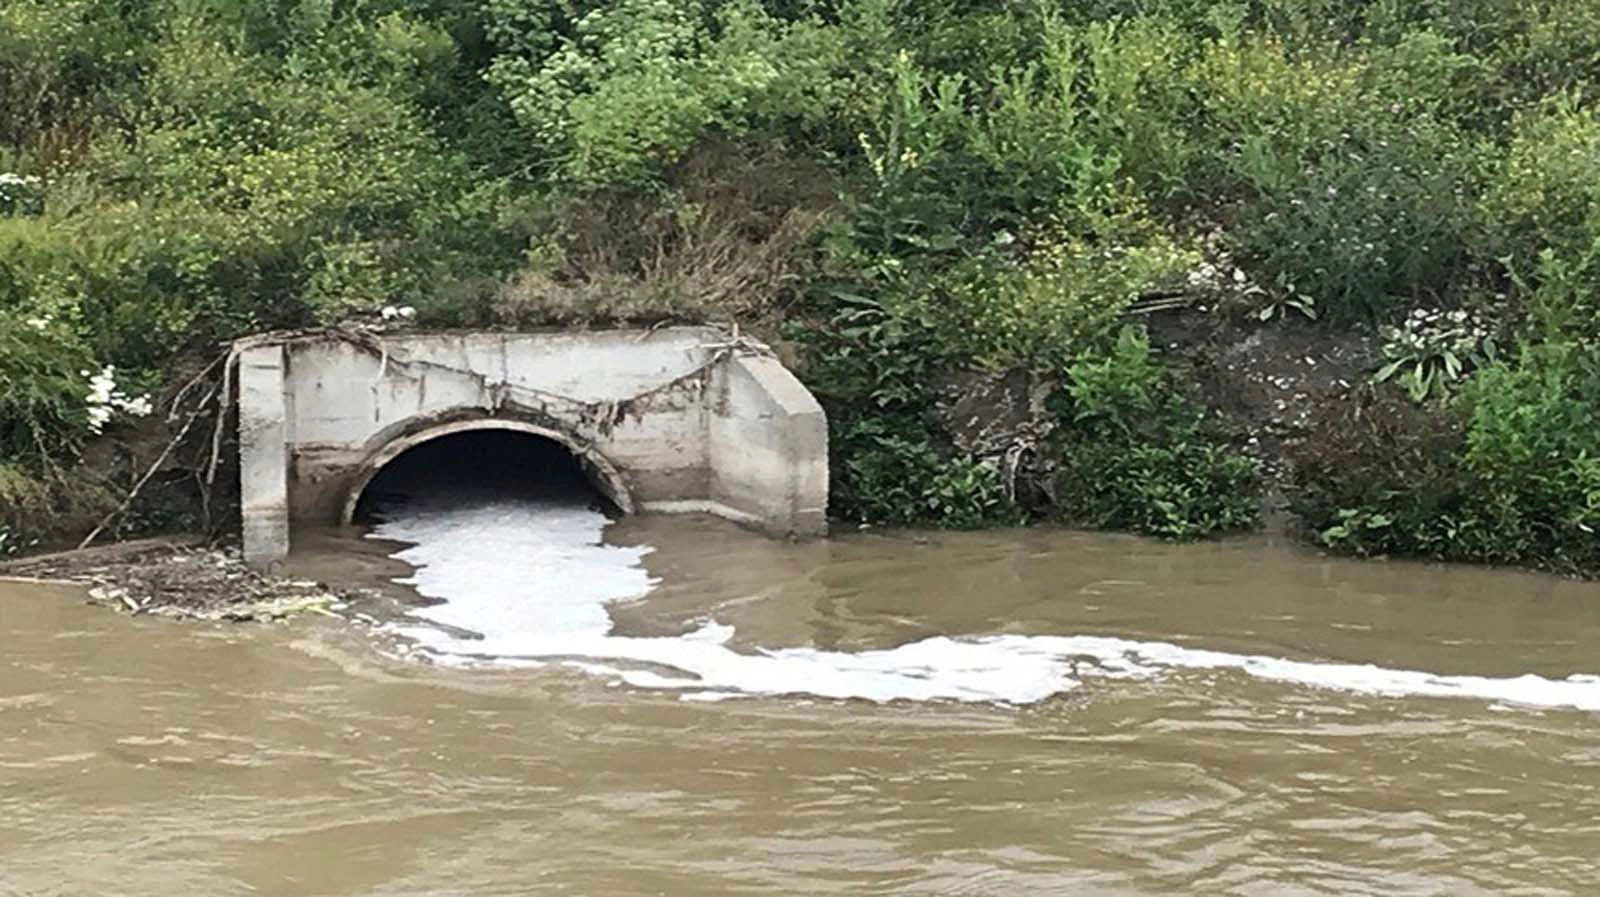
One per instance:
(217, 427)
(162, 459)
(183, 391)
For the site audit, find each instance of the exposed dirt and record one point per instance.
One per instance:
(1002, 418)
(1266, 378)
(1263, 379)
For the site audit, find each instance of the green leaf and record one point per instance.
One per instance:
(853, 298)
(1418, 384)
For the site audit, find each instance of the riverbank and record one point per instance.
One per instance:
(180, 577)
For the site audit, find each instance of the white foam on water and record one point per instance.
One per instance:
(533, 579)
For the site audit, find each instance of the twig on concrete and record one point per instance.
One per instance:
(651, 330)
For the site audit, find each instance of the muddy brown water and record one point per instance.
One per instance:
(147, 757)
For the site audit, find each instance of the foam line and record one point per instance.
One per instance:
(535, 578)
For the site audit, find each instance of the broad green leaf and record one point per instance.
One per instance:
(1388, 370)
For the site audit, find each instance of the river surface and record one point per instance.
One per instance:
(688, 709)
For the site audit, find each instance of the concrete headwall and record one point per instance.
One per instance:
(676, 419)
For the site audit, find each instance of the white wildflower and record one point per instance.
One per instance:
(105, 399)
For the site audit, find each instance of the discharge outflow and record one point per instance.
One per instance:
(533, 578)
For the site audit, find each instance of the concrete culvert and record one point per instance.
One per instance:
(479, 465)
(673, 420)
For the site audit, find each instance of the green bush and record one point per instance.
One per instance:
(1532, 455)
(1543, 216)
(44, 388)
(1506, 473)
(1347, 181)
(20, 195)
(64, 67)
(1134, 454)
(902, 476)
(628, 88)
(254, 194)
(1004, 203)
(873, 372)
(1531, 51)
(1041, 311)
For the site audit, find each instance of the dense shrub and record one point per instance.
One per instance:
(43, 505)
(1506, 473)
(1543, 216)
(1135, 454)
(874, 373)
(1381, 474)
(1532, 456)
(626, 88)
(1350, 182)
(43, 388)
(1041, 311)
(64, 66)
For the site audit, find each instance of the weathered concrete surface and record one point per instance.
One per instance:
(676, 419)
(762, 420)
(263, 453)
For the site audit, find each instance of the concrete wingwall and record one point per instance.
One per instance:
(761, 421)
(669, 420)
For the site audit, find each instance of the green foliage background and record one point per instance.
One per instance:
(900, 188)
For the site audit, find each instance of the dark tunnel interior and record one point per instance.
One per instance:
(479, 466)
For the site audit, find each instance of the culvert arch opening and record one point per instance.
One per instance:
(472, 462)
